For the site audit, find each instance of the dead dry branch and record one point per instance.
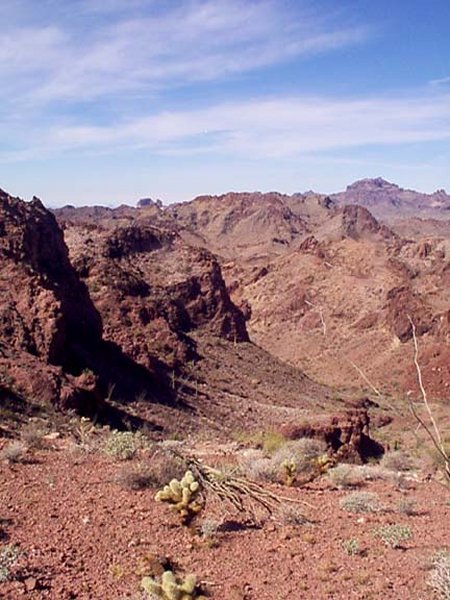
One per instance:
(239, 491)
(432, 428)
(228, 486)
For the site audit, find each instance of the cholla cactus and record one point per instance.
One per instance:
(183, 496)
(169, 588)
(290, 471)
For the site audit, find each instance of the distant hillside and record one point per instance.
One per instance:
(387, 200)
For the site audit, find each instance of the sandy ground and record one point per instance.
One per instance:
(82, 535)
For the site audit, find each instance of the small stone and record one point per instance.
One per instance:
(30, 584)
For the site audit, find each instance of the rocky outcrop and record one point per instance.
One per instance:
(358, 222)
(47, 319)
(152, 289)
(347, 435)
(404, 306)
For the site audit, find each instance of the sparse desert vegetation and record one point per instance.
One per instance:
(279, 485)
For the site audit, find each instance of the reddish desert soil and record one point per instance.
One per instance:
(83, 536)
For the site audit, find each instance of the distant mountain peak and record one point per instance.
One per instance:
(372, 183)
(388, 200)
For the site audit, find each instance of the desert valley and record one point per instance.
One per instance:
(280, 362)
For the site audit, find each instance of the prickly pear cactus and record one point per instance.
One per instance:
(183, 496)
(170, 588)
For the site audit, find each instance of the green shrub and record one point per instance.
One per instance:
(9, 555)
(123, 445)
(394, 535)
(350, 547)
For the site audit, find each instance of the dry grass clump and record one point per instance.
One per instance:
(345, 476)
(397, 461)
(439, 578)
(290, 515)
(163, 466)
(407, 506)
(136, 477)
(13, 452)
(291, 460)
(32, 434)
(361, 502)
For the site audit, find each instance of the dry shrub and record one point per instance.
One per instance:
(32, 435)
(210, 527)
(407, 506)
(439, 578)
(373, 472)
(345, 476)
(290, 515)
(136, 477)
(14, 452)
(361, 502)
(259, 468)
(301, 454)
(163, 466)
(397, 461)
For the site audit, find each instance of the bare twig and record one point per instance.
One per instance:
(367, 380)
(433, 433)
(374, 389)
(237, 490)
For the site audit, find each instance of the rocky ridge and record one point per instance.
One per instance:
(389, 201)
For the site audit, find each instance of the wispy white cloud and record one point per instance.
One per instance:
(270, 128)
(182, 42)
(440, 82)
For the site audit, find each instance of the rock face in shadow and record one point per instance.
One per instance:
(63, 344)
(152, 289)
(47, 320)
(46, 310)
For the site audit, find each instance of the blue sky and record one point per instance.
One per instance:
(107, 101)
